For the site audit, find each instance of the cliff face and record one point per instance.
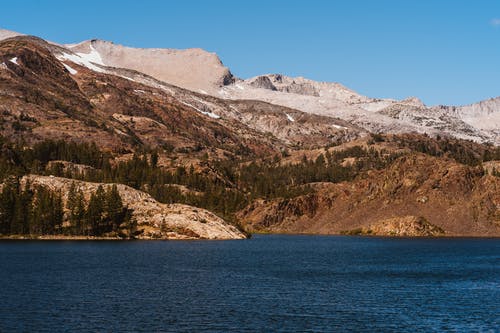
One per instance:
(156, 220)
(417, 195)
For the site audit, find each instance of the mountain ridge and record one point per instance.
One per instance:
(264, 143)
(203, 72)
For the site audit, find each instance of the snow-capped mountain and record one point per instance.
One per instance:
(193, 69)
(203, 73)
(478, 122)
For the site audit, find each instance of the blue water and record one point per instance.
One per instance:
(265, 284)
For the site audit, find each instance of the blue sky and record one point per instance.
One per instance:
(444, 52)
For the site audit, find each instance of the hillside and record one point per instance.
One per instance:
(154, 220)
(203, 73)
(455, 199)
(269, 154)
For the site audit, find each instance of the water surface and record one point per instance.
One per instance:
(265, 284)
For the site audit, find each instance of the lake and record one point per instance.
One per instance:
(270, 283)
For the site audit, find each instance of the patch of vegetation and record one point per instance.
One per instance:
(36, 210)
(462, 151)
(222, 186)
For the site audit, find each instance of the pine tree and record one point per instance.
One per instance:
(39, 223)
(95, 210)
(7, 204)
(22, 210)
(56, 212)
(76, 207)
(154, 159)
(114, 209)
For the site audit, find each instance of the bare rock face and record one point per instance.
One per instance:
(478, 122)
(203, 72)
(277, 82)
(404, 226)
(193, 69)
(263, 82)
(4, 34)
(157, 220)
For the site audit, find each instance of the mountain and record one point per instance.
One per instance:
(127, 98)
(269, 153)
(202, 72)
(192, 69)
(4, 34)
(372, 114)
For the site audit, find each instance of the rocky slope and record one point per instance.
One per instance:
(202, 72)
(155, 220)
(193, 69)
(375, 115)
(4, 34)
(417, 195)
(404, 226)
(187, 106)
(67, 95)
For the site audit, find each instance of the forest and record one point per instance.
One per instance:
(35, 210)
(223, 186)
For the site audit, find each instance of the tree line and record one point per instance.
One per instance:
(462, 151)
(35, 210)
(223, 186)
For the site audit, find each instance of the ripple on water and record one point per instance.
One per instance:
(267, 283)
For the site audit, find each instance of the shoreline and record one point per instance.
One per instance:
(102, 238)
(371, 235)
(59, 237)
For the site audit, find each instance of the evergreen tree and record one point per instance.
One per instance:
(8, 197)
(95, 210)
(114, 209)
(76, 207)
(154, 159)
(56, 212)
(22, 210)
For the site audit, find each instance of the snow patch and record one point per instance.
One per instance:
(120, 132)
(203, 91)
(89, 60)
(14, 60)
(70, 70)
(167, 90)
(210, 114)
(338, 126)
(290, 118)
(223, 92)
(139, 91)
(127, 77)
(239, 86)
(93, 56)
(3, 65)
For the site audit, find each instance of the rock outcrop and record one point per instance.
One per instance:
(457, 199)
(156, 220)
(404, 226)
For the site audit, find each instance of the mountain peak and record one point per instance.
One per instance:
(4, 34)
(193, 69)
(412, 100)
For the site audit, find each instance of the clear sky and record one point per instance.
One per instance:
(442, 51)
